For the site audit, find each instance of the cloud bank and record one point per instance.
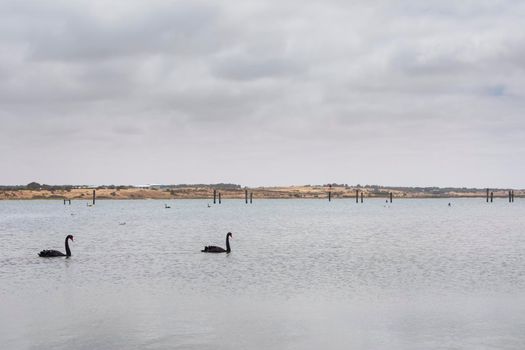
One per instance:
(262, 93)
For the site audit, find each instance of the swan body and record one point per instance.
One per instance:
(50, 254)
(215, 249)
(55, 253)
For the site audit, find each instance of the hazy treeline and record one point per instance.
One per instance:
(35, 186)
(433, 190)
(430, 189)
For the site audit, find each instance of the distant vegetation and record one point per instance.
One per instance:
(35, 186)
(219, 186)
(429, 190)
(372, 189)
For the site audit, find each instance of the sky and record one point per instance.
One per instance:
(262, 93)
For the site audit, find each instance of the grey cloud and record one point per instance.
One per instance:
(245, 67)
(127, 130)
(455, 10)
(73, 34)
(252, 83)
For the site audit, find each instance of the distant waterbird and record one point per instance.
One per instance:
(215, 249)
(56, 253)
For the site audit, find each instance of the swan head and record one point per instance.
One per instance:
(70, 237)
(229, 235)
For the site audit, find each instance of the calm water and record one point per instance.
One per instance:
(303, 274)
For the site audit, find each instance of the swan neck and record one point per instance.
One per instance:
(68, 251)
(228, 244)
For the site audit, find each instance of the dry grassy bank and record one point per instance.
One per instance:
(260, 192)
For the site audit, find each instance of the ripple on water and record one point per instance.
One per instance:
(296, 269)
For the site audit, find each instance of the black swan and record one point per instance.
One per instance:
(56, 253)
(215, 249)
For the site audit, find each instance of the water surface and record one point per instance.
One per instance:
(303, 274)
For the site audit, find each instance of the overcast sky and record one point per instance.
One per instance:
(415, 93)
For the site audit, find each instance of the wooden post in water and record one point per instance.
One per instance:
(64, 201)
(390, 197)
(329, 193)
(361, 196)
(491, 196)
(94, 195)
(487, 195)
(70, 202)
(246, 196)
(357, 196)
(510, 196)
(214, 196)
(219, 198)
(251, 197)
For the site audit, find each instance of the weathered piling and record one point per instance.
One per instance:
(251, 197)
(329, 196)
(510, 196)
(491, 196)
(214, 196)
(361, 196)
(94, 195)
(219, 198)
(357, 196)
(246, 196)
(390, 197)
(64, 201)
(487, 195)
(69, 201)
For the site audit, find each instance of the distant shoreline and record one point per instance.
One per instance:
(206, 192)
